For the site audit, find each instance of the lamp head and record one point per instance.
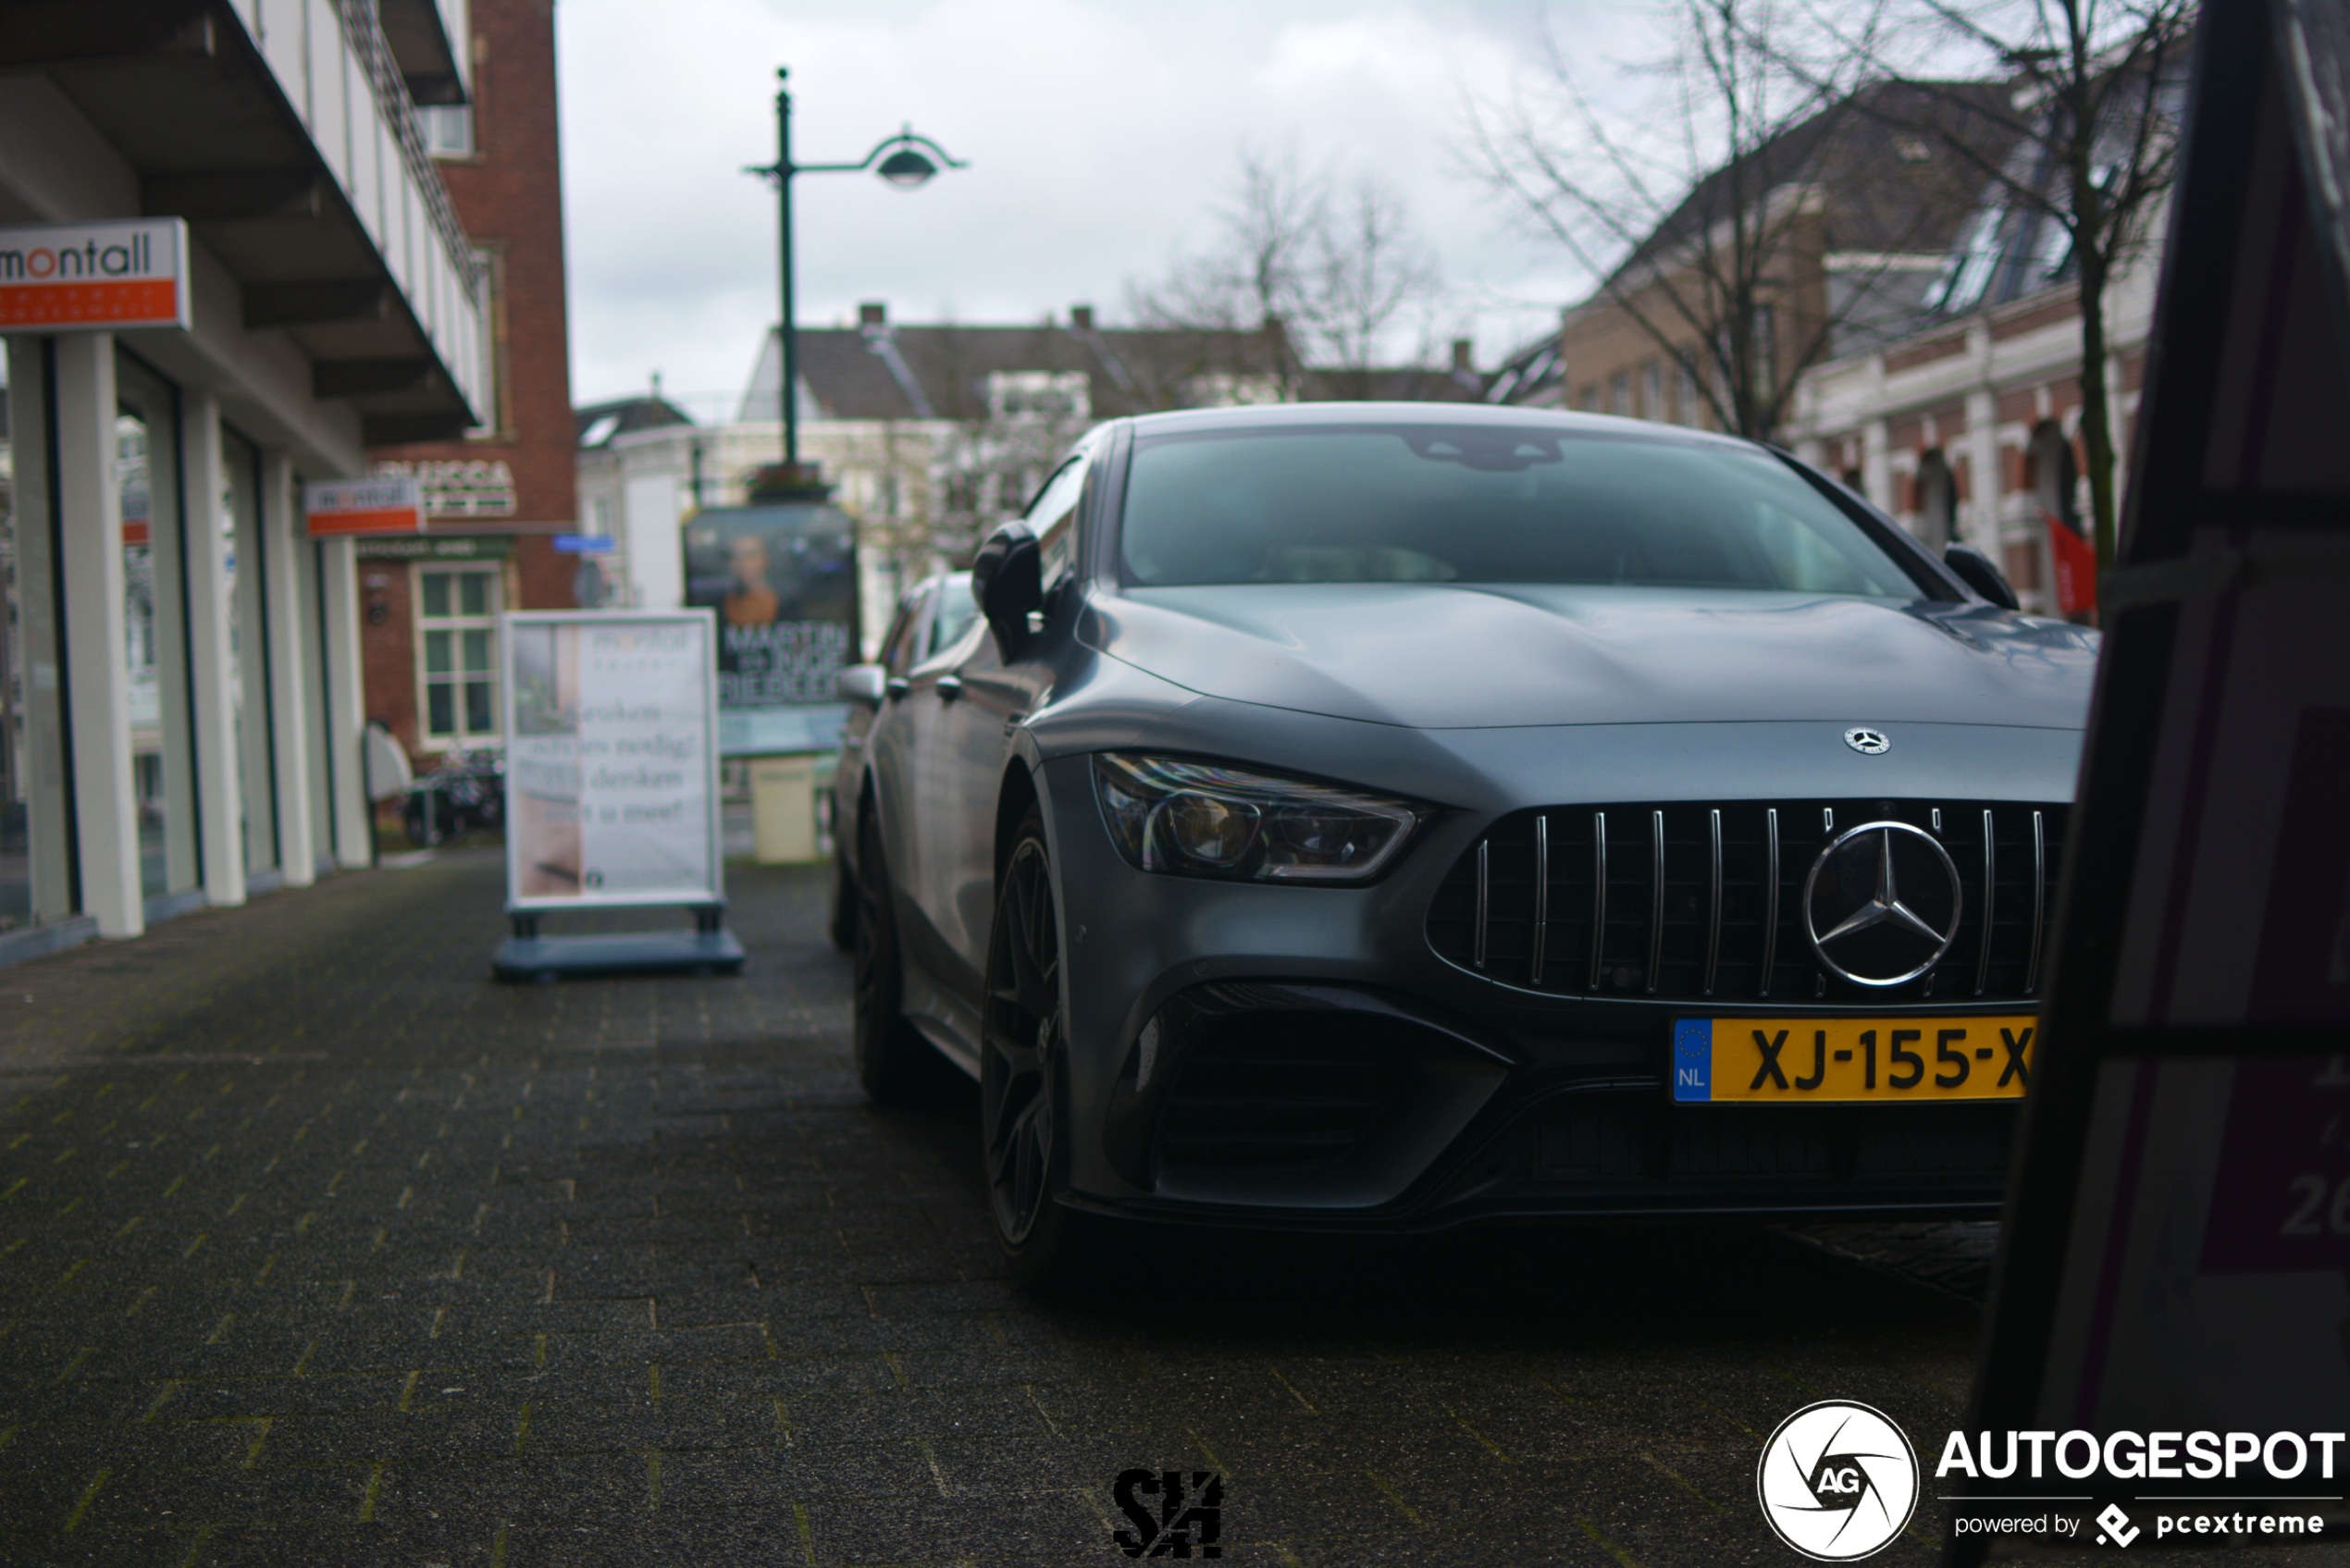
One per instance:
(907, 167)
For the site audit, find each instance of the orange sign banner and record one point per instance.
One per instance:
(381, 520)
(148, 302)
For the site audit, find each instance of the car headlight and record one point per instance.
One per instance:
(1210, 820)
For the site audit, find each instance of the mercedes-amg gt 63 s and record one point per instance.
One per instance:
(1382, 817)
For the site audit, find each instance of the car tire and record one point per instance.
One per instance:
(1024, 1128)
(894, 1062)
(841, 924)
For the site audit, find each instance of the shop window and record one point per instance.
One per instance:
(148, 487)
(457, 654)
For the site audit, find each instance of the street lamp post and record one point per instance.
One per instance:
(904, 160)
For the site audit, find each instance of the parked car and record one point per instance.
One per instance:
(933, 614)
(1383, 816)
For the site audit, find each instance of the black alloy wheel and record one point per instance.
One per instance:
(1022, 1124)
(842, 923)
(894, 1062)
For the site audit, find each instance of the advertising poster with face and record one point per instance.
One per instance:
(610, 760)
(781, 581)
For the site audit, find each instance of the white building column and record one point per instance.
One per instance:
(212, 667)
(98, 665)
(292, 675)
(1980, 526)
(346, 704)
(1876, 466)
(37, 599)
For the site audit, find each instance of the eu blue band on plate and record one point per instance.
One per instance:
(1693, 1059)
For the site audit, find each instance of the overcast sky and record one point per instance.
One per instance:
(1099, 133)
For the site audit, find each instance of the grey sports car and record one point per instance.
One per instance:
(1383, 816)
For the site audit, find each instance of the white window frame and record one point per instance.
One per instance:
(455, 623)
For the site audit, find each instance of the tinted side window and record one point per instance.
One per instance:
(898, 647)
(1053, 517)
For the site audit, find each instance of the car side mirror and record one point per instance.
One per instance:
(1008, 579)
(1976, 570)
(861, 683)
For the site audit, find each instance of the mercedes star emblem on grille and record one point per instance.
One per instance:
(1868, 742)
(1862, 924)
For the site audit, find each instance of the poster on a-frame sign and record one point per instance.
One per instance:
(612, 783)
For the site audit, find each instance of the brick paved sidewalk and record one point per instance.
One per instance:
(318, 1247)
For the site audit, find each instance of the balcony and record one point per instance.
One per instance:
(283, 131)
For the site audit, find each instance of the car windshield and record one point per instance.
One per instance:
(1423, 503)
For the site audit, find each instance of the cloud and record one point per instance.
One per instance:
(1098, 132)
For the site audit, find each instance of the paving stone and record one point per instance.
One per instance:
(317, 1246)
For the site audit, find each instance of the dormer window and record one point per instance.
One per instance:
(1039, 394)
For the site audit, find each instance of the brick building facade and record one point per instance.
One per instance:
(495, 498)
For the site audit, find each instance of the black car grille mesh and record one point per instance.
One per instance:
(1704, 902)
(1280, 1090)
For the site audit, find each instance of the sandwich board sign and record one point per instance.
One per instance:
(612, 787)
(2175, 1266)
(95, 277)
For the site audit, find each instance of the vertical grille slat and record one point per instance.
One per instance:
(2040, 900)
(1656, 903)
(1542, 894)
(1990, 901)
(1599, 902)
(1771, 899)
(1714, 915)
(1711, 906)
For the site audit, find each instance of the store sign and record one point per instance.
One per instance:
(470, 487)
(437, 547)
(611, 761)
(585, 544)
(386, 504)
(95, 277)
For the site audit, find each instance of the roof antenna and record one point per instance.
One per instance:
(656, 386)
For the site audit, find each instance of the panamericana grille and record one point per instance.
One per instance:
(1705, 902)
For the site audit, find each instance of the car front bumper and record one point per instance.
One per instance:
(1257, 1055)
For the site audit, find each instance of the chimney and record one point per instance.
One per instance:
(873, 313)
(1464, 356)
(1080, 319)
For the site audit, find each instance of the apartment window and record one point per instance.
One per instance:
(446, 129)
(1653, 390)
(457, 653)
(1693, 400)
(1619, 393)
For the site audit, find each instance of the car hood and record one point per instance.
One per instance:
(1442, 656)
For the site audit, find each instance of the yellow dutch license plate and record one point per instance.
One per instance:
(1796, 1060)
